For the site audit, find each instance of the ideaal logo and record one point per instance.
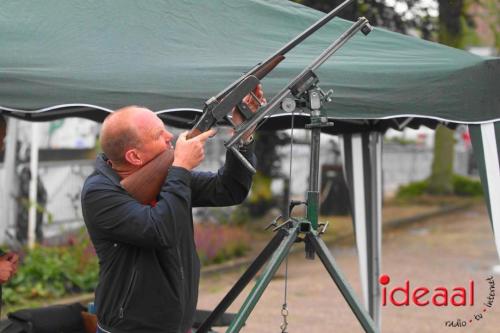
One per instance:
(437, 296)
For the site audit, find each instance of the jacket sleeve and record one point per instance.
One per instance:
(111, 214)
(229, 186)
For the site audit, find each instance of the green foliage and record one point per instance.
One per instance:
(261, 197)
(492, 19)
(50, 272)
(412, 190)
(416, 15)
(261, 188)
(462, 186)
(465, 186)
(27, 204)
(269, 167)
(218, 243)
(401, 141)
(240, 216)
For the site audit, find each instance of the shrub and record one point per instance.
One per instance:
(462, 186)
(465, 186)
(54, 271)
(412, 190)
(217, 243)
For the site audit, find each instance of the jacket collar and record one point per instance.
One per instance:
(104, 168)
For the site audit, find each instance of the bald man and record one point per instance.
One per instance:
(149, 268)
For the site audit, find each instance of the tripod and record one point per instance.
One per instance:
(302, 90)
(294, 230)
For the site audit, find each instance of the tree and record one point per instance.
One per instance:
(453, 23)
(451, 27)
(399, 16)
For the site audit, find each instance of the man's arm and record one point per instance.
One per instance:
(229, 186)
(112, 214)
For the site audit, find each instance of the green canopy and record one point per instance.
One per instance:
(86, 57)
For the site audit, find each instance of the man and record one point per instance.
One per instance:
(149, 268)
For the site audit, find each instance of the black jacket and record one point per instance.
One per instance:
(149, 268)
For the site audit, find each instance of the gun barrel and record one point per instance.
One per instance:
(285, 49)
(313, 28)
(276, 100)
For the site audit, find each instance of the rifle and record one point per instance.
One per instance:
(145, 184)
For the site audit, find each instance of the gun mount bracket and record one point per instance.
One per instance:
(366, 29)
(304, 84)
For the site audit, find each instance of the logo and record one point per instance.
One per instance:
(423, 296)
(438, 296)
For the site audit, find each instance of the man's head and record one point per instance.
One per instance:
(3, 131)
(132, 136)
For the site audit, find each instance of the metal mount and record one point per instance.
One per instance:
(303, 92)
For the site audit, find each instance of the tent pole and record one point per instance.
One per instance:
(10, 179)
(375, 226)
(485, 140)
(363, 172)
(33, 185)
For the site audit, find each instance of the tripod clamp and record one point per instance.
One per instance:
(322, 228)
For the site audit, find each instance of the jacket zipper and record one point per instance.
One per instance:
(181, 268)
(129, 292)
(181, 294)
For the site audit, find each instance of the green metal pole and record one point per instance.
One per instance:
(313, 193)
(341, 282)
(313, 208)
(264, 279)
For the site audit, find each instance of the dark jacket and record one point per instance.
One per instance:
(149, 268)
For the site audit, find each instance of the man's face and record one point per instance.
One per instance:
(155, 139)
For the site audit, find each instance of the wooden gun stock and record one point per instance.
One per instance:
(145, 184)
(264, 70)
(194, 132)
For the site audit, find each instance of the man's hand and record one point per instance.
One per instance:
(190, 153)
(8, 266)
(253, 105)
(14, 259)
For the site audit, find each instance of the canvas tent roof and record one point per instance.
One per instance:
(86, 58)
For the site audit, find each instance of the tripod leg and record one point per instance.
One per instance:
(346, 290)
(264, 279)
(244, 280)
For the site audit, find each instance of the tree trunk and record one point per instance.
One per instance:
(451, 33)
(440, 181)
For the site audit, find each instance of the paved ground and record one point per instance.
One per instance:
(447, 251)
